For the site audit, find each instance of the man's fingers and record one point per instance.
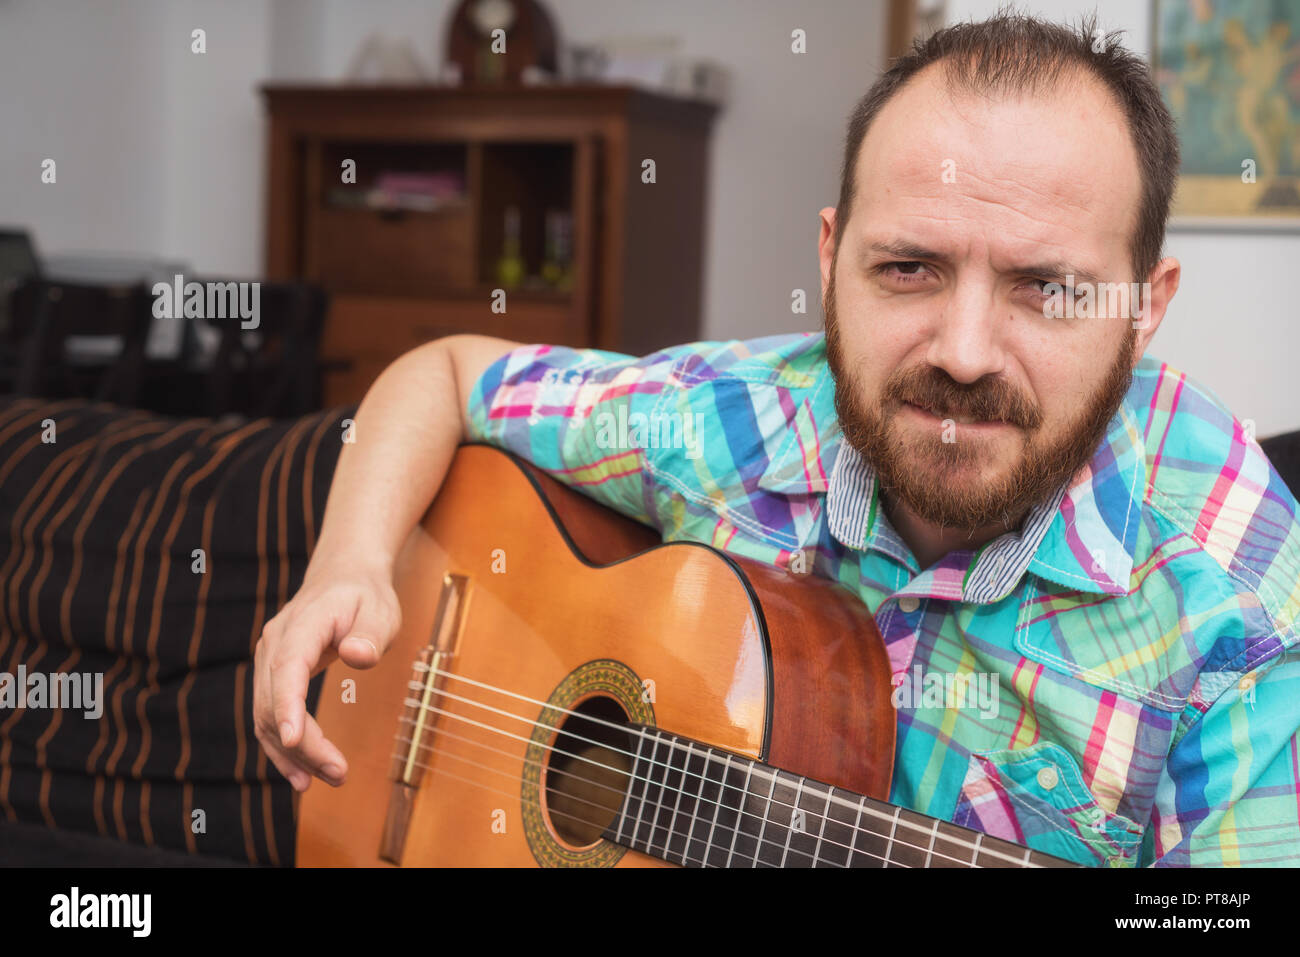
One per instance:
(319, 756)
(292, 656)
(299, 778)
(289, 675)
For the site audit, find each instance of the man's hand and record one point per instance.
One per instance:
(406, 433)
(347, 610)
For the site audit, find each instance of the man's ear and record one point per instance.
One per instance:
(826, 246)
(1163, 282)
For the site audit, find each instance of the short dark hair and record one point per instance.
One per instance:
(1013, 52)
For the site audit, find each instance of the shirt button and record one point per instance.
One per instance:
(908, 604)
(1047, 778)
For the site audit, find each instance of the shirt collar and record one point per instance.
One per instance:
(1083, 537)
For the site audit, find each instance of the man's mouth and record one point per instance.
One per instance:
(958, 419)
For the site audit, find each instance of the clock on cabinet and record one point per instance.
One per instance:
(494, 41)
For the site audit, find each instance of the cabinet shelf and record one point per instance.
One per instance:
(399, 276)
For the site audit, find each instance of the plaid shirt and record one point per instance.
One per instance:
(1117, 682)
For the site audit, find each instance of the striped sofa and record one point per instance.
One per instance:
(150, 551)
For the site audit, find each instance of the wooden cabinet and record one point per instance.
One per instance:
(399, 276)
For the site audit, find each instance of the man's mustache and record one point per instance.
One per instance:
(992, 400)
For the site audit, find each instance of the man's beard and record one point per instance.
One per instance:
(923, 474)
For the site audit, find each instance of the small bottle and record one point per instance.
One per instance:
(510, 267)
(557, 266)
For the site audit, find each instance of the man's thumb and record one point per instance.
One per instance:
(365, 642)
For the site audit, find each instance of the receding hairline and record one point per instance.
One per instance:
(1066, 76)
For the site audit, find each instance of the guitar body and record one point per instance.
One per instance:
(453, 738)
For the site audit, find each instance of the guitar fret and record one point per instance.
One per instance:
(695, 767)
(804, 840)
(632, 788)
(693, 834)
(649, 782)
(681, 787)
(893, 828)
(695, 815)
(821, 831)
(839, 831)
(708, 841)
(857, 829)
(665, 788)
(735, 832)
(929, 851)
(789, 831)
(758, 845)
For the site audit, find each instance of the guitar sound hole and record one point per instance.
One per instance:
(587, 771)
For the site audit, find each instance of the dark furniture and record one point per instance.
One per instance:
(47, 317)
(400, 276)
(270, 370)
(18, 263)
(1284, 452)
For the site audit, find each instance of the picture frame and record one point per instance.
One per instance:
(1229, 71)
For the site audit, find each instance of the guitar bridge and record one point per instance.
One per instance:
(419, 716)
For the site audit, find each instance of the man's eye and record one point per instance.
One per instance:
(1040, 287)
(904, 271)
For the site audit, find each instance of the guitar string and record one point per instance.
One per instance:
(663, 787)
(648, 842)
(740, 812)
(1018, 859)
(653, 825)
(861, 807)
(479, 784)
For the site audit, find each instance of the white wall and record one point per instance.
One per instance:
(1233, 325)
(158, 150)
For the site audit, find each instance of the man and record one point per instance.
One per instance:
(1086, 574)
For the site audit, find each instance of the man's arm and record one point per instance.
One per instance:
(1229, 795)
(407, 430)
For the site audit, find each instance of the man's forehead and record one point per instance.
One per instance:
(1037, 164)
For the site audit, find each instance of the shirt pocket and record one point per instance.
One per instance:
(1035, 797)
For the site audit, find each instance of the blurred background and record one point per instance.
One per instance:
(526, 173)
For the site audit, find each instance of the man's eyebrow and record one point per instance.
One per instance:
(906, 250)
(1055, 270)
(1058, 270)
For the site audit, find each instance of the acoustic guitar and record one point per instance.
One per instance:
(568, 691)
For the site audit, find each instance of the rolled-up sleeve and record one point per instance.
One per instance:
(1230, 795)
(574, 414)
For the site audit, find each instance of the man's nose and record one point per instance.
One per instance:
(967, 340)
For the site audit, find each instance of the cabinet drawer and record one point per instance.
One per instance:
(387, 327)
(358, 250)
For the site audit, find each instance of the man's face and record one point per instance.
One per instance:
(969, 400)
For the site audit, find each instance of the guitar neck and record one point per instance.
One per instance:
(700, 806)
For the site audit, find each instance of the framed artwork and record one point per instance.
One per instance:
(1229, 70)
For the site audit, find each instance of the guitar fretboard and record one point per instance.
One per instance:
(702, 807)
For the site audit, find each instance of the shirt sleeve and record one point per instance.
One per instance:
(1230, 794)
(580, 415)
